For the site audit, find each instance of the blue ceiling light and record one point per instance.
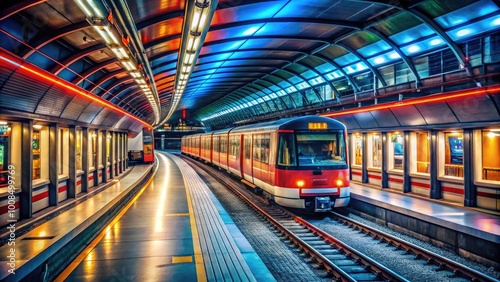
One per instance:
(379, 60)
(464, 32)
(436, 41)
(413, 49)
(394, 55)
(496, 22)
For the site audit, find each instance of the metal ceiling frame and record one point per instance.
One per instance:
(54, 35)
(90, 71)
(77, 56)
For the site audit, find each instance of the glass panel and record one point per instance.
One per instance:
(93, 140)
(423, 152)
(453, 164)
(397, 147)
(358, 149)
(376, 150)
(37, 171)
(491, 147)
(78, 149)
(325, 149)
(286, 150)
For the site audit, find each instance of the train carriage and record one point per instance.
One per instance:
(299, 162)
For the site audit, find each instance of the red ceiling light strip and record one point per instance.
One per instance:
(42, 74)
(417, 101)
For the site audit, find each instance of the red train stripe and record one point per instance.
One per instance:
(62, 189)
(40, 196)
(397, 180)
(488, 195)
(374, 176)
(423, 185)
(357, 173)
(453, 190)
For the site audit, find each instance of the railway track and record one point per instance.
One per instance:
(340, 261)
(420, 254)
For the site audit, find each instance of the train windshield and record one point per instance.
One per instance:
(321, 149)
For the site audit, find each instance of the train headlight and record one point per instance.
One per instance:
(300, 183)
(339, 182)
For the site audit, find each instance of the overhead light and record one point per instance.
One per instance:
(128, 65)
(394, 55)
(464, 32)
(3, 123)
(106, 33)
(413, 49)
(436, 41)
(37, 126)
(120, 52)
(135, 74)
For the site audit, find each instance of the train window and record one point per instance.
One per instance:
(325, 149)
(358, 149)
(396, 151)
(490, 140)
(216, 143)
(248, 142)
(63, 151)
(256, 147)
(286, 150)
(421, 140)
(5, 165)
(453, 154)
(223, 145)
(93, 148)
(374, 147)
(234, 145)
(264, 155)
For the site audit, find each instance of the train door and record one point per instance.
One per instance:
(242, 154)
(247, 157)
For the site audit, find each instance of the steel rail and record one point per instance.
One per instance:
(442, 262)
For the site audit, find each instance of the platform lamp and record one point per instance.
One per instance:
(197, 20)
(106, 29)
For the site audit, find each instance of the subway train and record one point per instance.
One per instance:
(298, 162)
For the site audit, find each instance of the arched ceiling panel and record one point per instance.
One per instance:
(259, 50)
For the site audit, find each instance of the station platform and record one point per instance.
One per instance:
(172, 229)
(469, 232)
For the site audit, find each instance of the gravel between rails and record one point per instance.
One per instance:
(404, 265)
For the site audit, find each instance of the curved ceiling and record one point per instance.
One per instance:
(255, 52)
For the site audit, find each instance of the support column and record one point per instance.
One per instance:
(104, 156)
(85, 159)
(385, 175)
(72, 162)
(25, 197)
(98, 153)
(406, 163)
(364, 167)
(126, 150)
(54, 164)
(436, 191)
(112, 156)
(470, 190)
(120, 153)
(349, 155)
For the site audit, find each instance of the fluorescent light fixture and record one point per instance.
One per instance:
(3, 123)
(135, 74)
(140, 81)
(95, 8)
(191, 59)
(129, 65)
(84, 8)
(37, 126)
(120, 52)
(196, 43)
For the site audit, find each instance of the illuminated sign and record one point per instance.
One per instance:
(317, 125)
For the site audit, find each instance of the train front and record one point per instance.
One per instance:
(312, 171)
